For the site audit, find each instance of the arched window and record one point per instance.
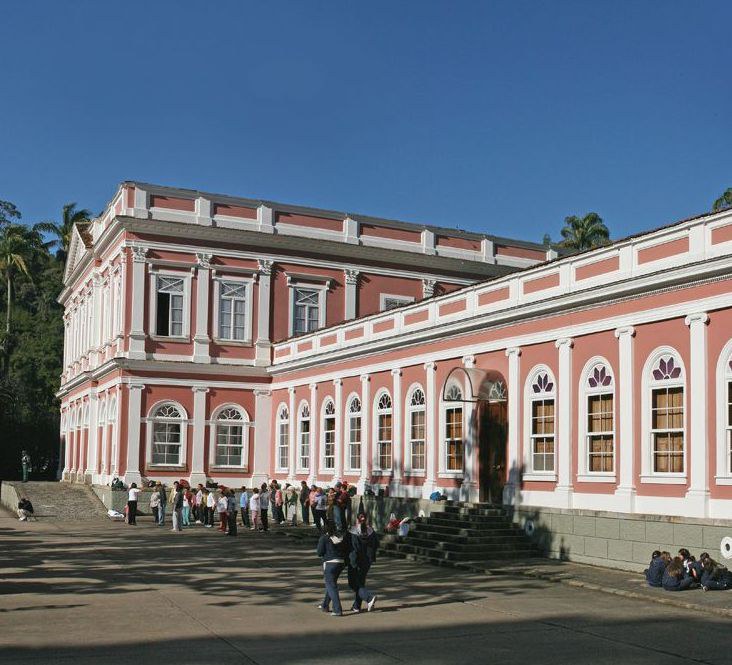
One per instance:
(416, 430)
(540, 447)
(724, 416)
(383, 432)
(329, 442)
(283, 438)
(453, 445)
(102, 417)
(230, 432)
(168, 436)
(664, 415)
(597, 421)
(354, 434)
(304, 437)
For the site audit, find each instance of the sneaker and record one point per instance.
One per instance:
(705, 588)
(199, 522)
(371, 604)
(336, 614)
(251, 528)
(323, 608)
(356, 610)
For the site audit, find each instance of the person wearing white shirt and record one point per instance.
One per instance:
(132, 497)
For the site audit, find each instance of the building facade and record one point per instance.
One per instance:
(211, 337)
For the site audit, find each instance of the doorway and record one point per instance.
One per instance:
(492, 442)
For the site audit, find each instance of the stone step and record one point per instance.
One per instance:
(467, 544)
(466, 563)
(457, 530)
(462, 510)
(62, 501)
(464, 523)
(468, 519)
(492, 552)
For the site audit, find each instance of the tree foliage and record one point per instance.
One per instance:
(583, 233)
(724, 201)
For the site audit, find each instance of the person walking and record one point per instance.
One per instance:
(305, 502)
(132, 497)
(332, 549)
(264, 497)
(244, 507)
(163, 503)
(210, 507)
(231, 512)
(177, 508)
(222, 504)
(363, 546)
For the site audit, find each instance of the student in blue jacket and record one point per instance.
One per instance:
(655, 570)
(333, 550)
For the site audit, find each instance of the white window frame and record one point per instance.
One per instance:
(723, 474)
(585, 391)
(322, 290)
(214, 424)
(248, 282)
(304, 468)
(150, 423)
(280, 421)
(529, 397)
(376, 461)
(112, 420)
(383, 297)
(648, 383)
(409, 409)
(323, 468)
(350, 417)
(152, 323)
(444, 472)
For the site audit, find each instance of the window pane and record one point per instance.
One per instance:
(163, 315)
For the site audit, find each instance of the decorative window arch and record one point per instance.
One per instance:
(452, 426)
(303, 436)
(415, 430)
(328, 429)
(383, 431)
(85, 416)
(540, 424)
(112, 410)
(596, 425)
(354, 416)
(724, 416)
(663, 420)
(229, 437)
(283, 438)
(166, 434)
(102, 417)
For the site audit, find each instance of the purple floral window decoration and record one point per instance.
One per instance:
(542, 384)
(600, 377)
(666, 369)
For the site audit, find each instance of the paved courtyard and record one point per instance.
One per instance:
(103, 592)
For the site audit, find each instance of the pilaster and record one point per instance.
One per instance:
(351, 278)
(134, 420)
(201, 338)
(430, 444)
(137, 329)
(469, 488)
(511, 491)
(397, 433)
(626, 443)
(366, 412)
(564, 423)
(262, 437)
(198, 472)
(263, 344)
(339, 452)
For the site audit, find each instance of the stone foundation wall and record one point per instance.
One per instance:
(618, 540)
(9, 497)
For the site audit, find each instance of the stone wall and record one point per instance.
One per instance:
(9, 497)
(618, 540)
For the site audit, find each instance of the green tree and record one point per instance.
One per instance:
(63, 230)
(583, 233)
(724, 201)
(8, 212)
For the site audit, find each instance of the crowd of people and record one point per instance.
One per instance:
(684, 572)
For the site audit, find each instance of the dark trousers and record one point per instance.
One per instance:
(209, 516)
(305, 513)
(263, 517)
(131, 512)
(331, 573)
(245, 516)
(357, 582)
(349, 512)
(222, 520)
(155, 513)
(319, 519)
(232, 523)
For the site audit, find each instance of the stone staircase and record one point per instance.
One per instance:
(464, 535)
(59, 501)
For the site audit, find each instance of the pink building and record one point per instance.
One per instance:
(241, 340)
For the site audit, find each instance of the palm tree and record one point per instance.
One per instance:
(583, 233)
(70, 216)
(724, 201)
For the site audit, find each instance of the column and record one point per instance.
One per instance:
(469, 488)
(134, 417)
(625, 444)
(291, 454)
(564, 423)
(314, 423)
(697, 451)
(198, 473)
(366, 414)
(92, 457)
(98, 316)
(338, 397)
(511, 491)
(201, 338)
(430, 444)
(397, 433)
(262, 437)
(137, 327)
(351, 277)
(263, 344)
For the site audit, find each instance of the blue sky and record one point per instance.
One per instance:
(502, 117)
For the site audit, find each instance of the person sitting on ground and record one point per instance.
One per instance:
(675, 578)
(686, 561)
(25, 509)
(655, 570)
(715, 577)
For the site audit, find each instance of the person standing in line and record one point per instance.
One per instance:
(363, 546)
(210, 506)
(200, 505)
(264, 498)
(321, 508)
(244, 507)
(163, 503)
(222, 504)
(279, 501)
(177, 508)
(188, 503)
(305, 502)
(332, 549)
(155, 505)
(132, 497)
(291, 499)
(25, 463)
(254, 507)
(231, 512)
(349, 491)
(312, 500)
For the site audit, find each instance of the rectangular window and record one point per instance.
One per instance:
(283, 445)
(305, 443)
(169, 297)
(667, 429)
(229, 446)
(542, 435)
(354, 443)
(416, 440)
(166, 443)
(454, 438)
(393, 302)
(329, 442)
(729, 427)
(232, 311)
(384, 442)
(306, 311)
(600, 434)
